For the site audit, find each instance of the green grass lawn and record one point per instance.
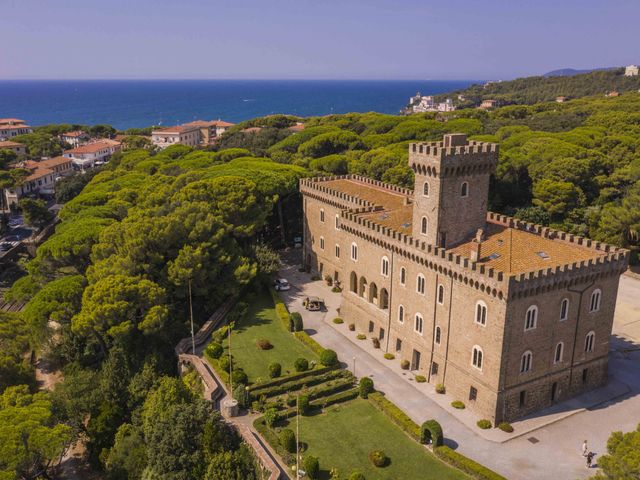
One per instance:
(261, 322)
(343, 437)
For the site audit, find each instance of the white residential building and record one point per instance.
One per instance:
(41, 180)
(90, 154)
(632, 71)
(75, 138)
(181, 134)
(16, 147)
(12, 127)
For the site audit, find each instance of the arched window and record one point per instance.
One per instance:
(337, 222)
(337, 251)
(531, 318)
(594, 306)
(440, 294)
(403, 276)
(418, 324)
(464, 189)
(384, 299)
(425, 189)
(438, 335)
(385, 267)
(353, 282)
(476, 357)
(526, 361)
(424, 226)
(401, 314)
(354, 252)
(557, 357)
(481, 312)
(322, 215)
(321, 243)
(588, 341)
(420, 284)
(564, 309)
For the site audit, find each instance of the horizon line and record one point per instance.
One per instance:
(120, 79)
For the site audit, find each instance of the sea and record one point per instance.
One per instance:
(141, 103)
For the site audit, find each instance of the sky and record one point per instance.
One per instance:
(313, 39)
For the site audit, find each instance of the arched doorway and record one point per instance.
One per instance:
(384, 299)
(353, 282)
(373, 293)
(363, 287)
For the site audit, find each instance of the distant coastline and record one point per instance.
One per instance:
(140, 103)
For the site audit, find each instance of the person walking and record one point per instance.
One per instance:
(585, 449)
(590, 456)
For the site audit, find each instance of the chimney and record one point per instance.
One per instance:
(475, 250)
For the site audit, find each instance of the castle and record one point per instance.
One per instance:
(509, 316)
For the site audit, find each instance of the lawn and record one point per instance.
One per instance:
(261, 322)
(343, 436)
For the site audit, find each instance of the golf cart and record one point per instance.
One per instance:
(313, 304)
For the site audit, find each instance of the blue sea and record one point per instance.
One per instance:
(140, 103)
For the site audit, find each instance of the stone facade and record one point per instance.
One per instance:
(466, 308)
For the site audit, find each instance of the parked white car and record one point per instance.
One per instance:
(281, 284)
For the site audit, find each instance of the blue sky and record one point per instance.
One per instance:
(318, 39)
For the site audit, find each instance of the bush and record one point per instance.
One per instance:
(288, 440)
(396, 415)
(352, 327)
(309, 342)
(241, 394)
(225, 363)
(301, 365)
(420, 378)
(290, 325)
(366, 387)
(338, 320)
(328, 358)
(357, 476)
(336, 289)
(484, 424)
(275, 370)
(431, 431)
(329, 280)
(440, 388)
(505, 427)
(303, 404)
(361, 336)
(376, 342)
(214, 350)
(465, 464)
(297, 322)
(311, 466)
(404, 364)
(239, 376)
(389, 356)
(378, 458)
(264, 344)
(458, 404)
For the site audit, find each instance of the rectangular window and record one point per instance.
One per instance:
(473, 393)
(337, 251)
(321, 243)
(523, 398)
(398, 345)
(584, 375)
(434, 368)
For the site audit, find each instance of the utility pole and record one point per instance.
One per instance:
(193, 338)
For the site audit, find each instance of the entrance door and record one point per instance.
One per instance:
(415, 360)
(554, 391)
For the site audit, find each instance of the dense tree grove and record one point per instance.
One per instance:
(107, 293)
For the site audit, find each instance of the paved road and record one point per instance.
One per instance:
(556, 453)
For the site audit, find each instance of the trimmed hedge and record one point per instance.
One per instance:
(338, 320)
(290, 378)
(287, 440)
(484, 424)
(296, 318)
(322, 402)
(296, 382)
(361, 336)
(220, 372)
(440, 388)
(505, 427)
(275, 369)
(431, 430)
(301, 364)
(420, 378)
(389, 356)
(366, 387)
(329, 358)
(214, 350)
(311, 466)
(310, 342)
(459, 404)
(303, 404)
(396, 415)
(271, 437)
(281, 308)
(468, 466)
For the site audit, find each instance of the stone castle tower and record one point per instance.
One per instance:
(451, 188)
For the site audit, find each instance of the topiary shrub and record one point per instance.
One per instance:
(505, 427)
(303, 404)
(404, 364)
(329, 280)
(440, 388)
(275, 370)
(366, 387)
(484, 423)
(225, 363)
(238, 376)
(214, 350)
(389, 356)
(311, 466)
(297, 322)
(241, 394)
(357, 476)
(328, 358)
(352, 327)
(288, 440)
(264, 344)
(458, 404)
(336, 289)
(338, 321)
(361, 336)
(431, 431)
(420, 378)
(378, 458)
(301, 365)
(376, 342)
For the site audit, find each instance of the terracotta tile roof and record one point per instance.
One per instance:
(222, 123)
(298, 127)
(516, 251)
(75, 133)
(377, 195)
(10, 144)
(94, 146)
(176, 129)
(13, 127)
(54, 162)
(4, 121)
